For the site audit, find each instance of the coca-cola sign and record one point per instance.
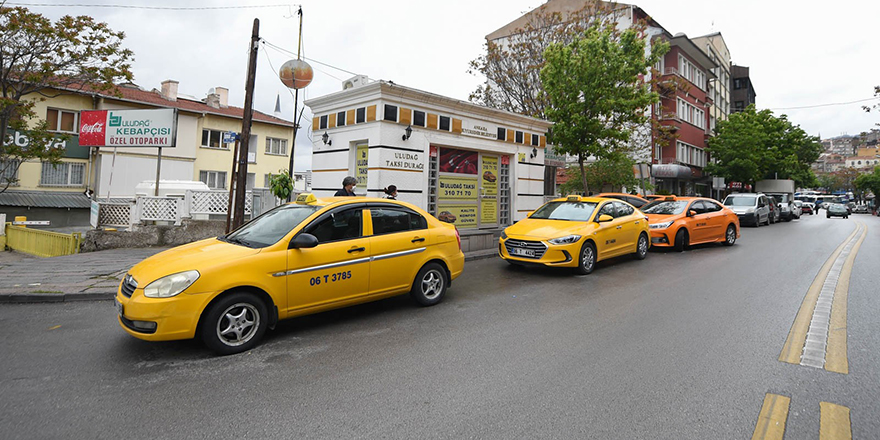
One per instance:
(128, 128)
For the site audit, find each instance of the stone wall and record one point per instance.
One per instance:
(153, 235)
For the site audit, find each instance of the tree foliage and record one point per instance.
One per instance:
(280, 184)
(597, 93)
(868, 108)
(869, 182)
(614, 172)
(44, 59)
(512, 65)
(753, 145)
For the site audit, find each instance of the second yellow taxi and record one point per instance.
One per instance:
(301, 258)
(576, 232)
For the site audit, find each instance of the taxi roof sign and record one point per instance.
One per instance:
(573, 198)
(306, 199)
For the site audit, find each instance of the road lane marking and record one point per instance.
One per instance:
(836, 353)
(794, 343)
(771, 420)
(823, 313)
(834, 422)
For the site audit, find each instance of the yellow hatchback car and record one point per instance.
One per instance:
(576, 232)
(297, 259)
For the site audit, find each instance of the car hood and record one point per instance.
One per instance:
(201, 256)
(742, 209)
(660, 218)
(546, 229)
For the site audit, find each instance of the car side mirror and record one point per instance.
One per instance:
(692, 213)
(303, 241)
(604, 218)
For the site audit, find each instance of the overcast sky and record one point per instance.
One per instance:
(799, 55)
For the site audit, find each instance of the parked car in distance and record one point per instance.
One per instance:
(576, 232)
(836, 210)
(751, 208)
(808, 208)
(801, 209)
(861, 209)
(652, 197)
(850, 206)
(300, 258)
(785, 202)
(634, 200)
(681, 221)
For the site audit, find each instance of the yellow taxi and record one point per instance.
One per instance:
(576, 232)
(678, 222)
(300, 258)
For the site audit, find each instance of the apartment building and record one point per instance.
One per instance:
(715, 47)
(743, 93)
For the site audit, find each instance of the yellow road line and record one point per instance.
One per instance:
(835, 351)
(794, 343)
(834, 422)
(771, 420)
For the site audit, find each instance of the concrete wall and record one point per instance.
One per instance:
(153, 235)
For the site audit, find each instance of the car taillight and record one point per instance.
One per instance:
(458, 238)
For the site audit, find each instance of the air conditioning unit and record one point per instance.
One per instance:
(355, 81)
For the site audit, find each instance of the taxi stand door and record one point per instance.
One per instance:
(337, 269)
(398, 249)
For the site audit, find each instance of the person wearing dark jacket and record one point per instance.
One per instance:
(347, 190)
(391, 192)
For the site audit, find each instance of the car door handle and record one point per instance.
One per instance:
(418, 239)
(620, 227)
(358, 249)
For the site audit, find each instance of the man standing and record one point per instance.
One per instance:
(347, 190)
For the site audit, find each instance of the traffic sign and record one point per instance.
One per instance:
(229, 137)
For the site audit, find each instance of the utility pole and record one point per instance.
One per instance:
(241, 177)
(295, 104)
(232, 186)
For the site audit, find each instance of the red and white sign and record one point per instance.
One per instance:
(128, 128)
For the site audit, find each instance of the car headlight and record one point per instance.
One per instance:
(171, 285)
(568, 239)
(503, 235)
(750, 211)
(663, 225)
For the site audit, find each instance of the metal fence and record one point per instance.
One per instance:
(42, 243)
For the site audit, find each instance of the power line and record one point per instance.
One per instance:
(823, 105)
(167, 8)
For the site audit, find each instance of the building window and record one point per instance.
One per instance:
(276, 146)
(214, 179)
(360, 115)
(418, 118)
(691, 72)
(444, 123)
(340, 119)
(534, 140)
(63, 121)
(62, 174)
(323, 124)
(690, 113)
(390, 113)
(737, 84)
(213, 139)
(518, 137)
(502, 134)
(9, 172)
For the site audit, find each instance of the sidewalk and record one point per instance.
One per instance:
(83, 277)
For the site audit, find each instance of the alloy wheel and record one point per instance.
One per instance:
(238, 324)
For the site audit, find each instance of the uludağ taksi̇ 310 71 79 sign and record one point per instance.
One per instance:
(128, 128)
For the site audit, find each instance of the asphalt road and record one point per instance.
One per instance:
(678, 346)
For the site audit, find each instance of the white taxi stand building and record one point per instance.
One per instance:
(477, 167)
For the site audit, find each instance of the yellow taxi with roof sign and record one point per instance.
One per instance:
(304, 257)
(576, 232)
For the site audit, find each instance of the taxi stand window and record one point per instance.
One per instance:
(389, 221)
(341, 225)
(270, 227)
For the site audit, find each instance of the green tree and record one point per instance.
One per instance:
(616, 172)
(40, 59)
(753, 145)
(281, 185)
(597, 93)
(869, 182)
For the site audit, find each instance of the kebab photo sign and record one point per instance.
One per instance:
(129, 128)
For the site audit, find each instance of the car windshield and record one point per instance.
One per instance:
(270, 227)
(781, 198)
(740, 201)
(570, 211)
(798, 202)
(663, 207)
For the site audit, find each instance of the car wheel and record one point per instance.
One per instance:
(234, 324)
(587, 260)
(642, 247)
(827, 215)
(730, 236)
(681, 240)
(429, 286)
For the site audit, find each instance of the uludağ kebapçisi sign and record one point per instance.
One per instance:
(128, 128)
